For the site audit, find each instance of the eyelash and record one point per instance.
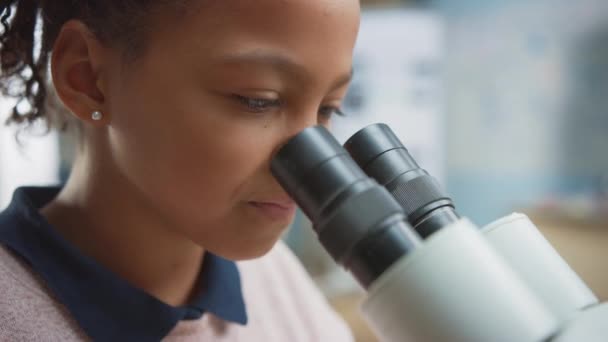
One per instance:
(259, 105)
(333, 110)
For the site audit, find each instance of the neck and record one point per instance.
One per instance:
(103, 215)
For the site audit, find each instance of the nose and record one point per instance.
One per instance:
(298, 123)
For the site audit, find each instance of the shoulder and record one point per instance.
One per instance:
(27, 310)
(276, 286)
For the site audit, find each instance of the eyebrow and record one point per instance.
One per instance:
(280, 62)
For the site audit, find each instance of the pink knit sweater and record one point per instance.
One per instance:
(283, 305)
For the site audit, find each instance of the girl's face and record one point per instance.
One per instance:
(196, 120)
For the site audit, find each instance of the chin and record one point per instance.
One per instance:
(252, 248)
(241, 245)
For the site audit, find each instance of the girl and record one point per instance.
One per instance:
(167, 227)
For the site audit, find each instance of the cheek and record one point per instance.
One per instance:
(188, 159)
(217, 166)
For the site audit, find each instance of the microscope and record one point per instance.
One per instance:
(430, 274)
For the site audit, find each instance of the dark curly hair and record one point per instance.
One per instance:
(29, 31)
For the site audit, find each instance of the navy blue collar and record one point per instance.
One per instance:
(106, 306)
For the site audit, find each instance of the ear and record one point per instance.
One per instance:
(77, 64)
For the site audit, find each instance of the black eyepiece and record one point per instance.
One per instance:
(358, 222)
(382, 156)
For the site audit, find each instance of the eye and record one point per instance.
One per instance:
(257, 105)
(328, 111)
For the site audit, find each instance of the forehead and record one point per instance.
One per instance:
(252, 7)
(317, 35)
(302, 26)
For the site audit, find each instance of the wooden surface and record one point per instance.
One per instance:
(348, 307)
(583, 244)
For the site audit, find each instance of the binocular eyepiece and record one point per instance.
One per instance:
(382, 156)
(363, 200)
(357, 221)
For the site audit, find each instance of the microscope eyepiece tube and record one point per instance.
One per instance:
(378, 151)
(358, 222)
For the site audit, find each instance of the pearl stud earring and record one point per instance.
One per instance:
(96, 115)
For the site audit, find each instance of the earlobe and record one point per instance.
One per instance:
(76, 66)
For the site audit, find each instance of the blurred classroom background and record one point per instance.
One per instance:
(505, 102)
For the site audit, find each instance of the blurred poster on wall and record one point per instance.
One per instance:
(397, 81)
(527, 84)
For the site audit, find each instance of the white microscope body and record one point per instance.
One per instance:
(504, 282)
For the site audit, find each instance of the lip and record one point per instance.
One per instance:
(275, 209)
